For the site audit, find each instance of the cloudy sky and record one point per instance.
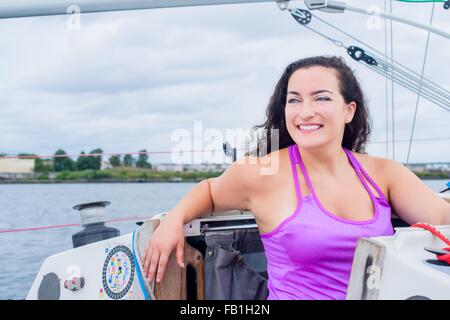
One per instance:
(125, 81)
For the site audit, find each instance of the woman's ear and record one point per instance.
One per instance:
(350, 111)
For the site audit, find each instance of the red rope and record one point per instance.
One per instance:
(433, 230)
(66, 225)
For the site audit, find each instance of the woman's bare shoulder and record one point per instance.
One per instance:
(377, 167)
(372, 162)
(261, 172)
(245, 180)
(382, 170)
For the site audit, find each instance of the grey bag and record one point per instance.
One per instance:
(233, 263)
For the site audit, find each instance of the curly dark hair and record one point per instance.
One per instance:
(355, 133)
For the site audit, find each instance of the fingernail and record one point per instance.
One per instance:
(158, 280)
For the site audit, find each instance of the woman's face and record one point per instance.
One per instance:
(315, 110)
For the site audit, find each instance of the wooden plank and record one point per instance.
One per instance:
(194, 259)
(174, 285)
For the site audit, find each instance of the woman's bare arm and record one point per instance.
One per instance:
(231, 190)
(411, 199)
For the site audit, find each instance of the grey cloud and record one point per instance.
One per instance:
(126, 80)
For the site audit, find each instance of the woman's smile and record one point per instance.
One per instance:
(308, 129)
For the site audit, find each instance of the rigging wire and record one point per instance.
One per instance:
(406, 78)
(415, 140)
(420, 88)
(393, 71)
(385, 56)
(386, 82)
(404, 82)
(392, 82)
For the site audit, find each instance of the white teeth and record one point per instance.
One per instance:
(314, 127)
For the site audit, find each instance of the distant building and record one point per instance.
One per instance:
(16, 168)
(106, 165)
(432, 166)
(47, 162)
(206, 167)
(417, 167)
(11, 165)
(169, 167)
(199, 167)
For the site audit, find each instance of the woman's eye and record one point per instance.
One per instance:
(293, 100)
(323, 99)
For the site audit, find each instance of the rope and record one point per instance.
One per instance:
(434, 231)
(67, 225)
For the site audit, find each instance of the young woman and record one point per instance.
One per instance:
(325, 194)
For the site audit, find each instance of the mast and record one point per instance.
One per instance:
(33, 8)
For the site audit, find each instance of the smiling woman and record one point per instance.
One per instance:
(324, 196)
(346, 89)
(319, 109)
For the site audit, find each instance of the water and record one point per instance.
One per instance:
(28, 205)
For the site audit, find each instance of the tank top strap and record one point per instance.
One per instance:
(355, 164)
(360, 171)
(294, 162)
(299, 160)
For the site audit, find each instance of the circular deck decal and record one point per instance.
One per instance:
(118, 272)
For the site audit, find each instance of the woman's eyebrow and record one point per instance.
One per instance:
(320, 91)
(312, 93)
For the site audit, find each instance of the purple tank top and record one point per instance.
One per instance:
(310, 254)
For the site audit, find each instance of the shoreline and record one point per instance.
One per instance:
(140, 180)
(118, 175)
(93, 181)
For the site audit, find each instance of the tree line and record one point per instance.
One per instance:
(62, 163)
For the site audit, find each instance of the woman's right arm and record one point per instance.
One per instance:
(230, 191)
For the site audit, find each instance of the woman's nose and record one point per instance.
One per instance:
(307, 110)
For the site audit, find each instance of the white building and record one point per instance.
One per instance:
(105, 165)
(199, 167)
(168, 167)
(11, 165)
(422, 167)
(206, 167)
